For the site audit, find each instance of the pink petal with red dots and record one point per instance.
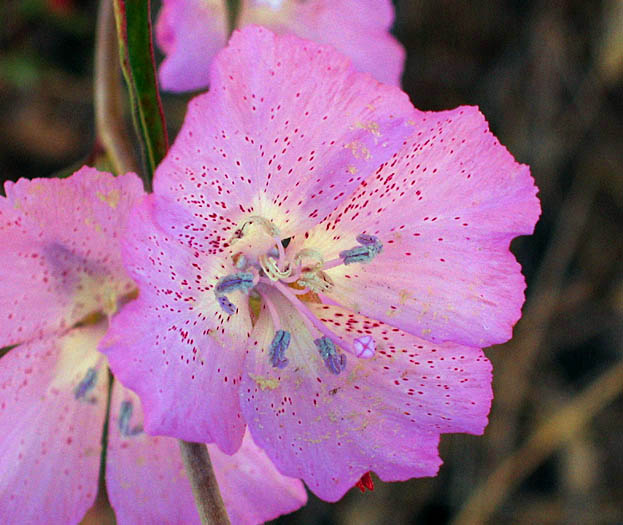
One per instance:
(52, 409)
(190, 32)
(383, 414)
(287, 142)
(60, 249)
(147, 482)
(445, 208)
(174, 346)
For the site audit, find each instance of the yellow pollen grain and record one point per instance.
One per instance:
(358, 150)
(111, 198)
(403, 296)
(265, 382)
(92, 224)
(352, 170)
(372, 127)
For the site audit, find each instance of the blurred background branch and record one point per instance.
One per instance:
(110, 124)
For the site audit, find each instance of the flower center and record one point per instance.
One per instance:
(294, 277)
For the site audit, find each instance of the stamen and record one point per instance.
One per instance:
(125, 414)
(364, 346)
(294, 276)
(272, 270)
(272, 310)
(311, 321)
(358, 254)
(86, 384)
(369, 240)
(236, 281)
(334, 362)
(309, 253)
(317, 281)
(370, 247)
(278, 347)
(226, 305)
(282, 252)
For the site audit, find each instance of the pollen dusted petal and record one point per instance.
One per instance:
(147, 483)
(190, 33)
(445, 208)
(287, 143)
(174, 345)
(61, 251)
(49, 438)
(383, 414)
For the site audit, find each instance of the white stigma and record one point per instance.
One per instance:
(273, 4)
(364, 347)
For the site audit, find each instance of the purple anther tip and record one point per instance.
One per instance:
(226, 305)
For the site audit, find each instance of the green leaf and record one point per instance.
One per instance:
(136, 50)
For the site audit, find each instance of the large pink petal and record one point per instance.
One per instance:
(357, 28)
(147, 482)
(52, 407)
(174, 346)
(253, 490)
(445, 208)
(383, 415)
(190, 32)
(60, 250)
(286, 132)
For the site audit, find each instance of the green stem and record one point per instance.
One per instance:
(233, 13)
(134, 35)
(205, 488)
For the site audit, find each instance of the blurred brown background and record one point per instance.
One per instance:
(549, 78)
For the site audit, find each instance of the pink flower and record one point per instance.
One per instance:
(321, 262)
(61, 279)
(191, 32)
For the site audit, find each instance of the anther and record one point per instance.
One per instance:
(358, 254)
(227, 306)
(369, 240)
(278, 347)
(370, 247)
(236, 281)
(364, 347)
(125, 414)
(333, 361)
(86, 384)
